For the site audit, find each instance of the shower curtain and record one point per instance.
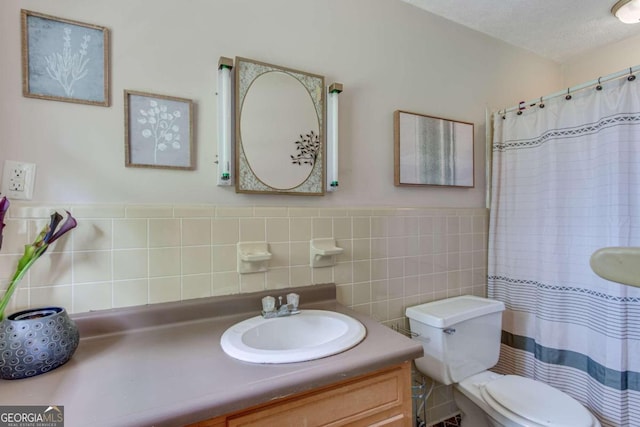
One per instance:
(566, 182)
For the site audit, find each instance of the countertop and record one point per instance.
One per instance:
(162, 365)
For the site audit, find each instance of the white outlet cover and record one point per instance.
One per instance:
(18, 174)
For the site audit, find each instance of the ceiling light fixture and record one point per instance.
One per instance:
(627, 11)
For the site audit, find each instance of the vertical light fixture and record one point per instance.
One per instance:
(224, 121)
(332, 135)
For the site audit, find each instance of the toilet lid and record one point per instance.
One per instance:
(537, 402)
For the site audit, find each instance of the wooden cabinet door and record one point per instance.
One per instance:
(379, 399)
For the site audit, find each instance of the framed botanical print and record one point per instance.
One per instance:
(64, 60)
(158, 131)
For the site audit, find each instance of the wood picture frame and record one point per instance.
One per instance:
(431, 150)
(64, 60)
(158, 131)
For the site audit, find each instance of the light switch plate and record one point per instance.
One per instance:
(18, 179)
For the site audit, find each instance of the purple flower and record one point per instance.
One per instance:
(49, 234)
(68, 224)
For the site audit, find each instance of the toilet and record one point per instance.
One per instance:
(461, 340)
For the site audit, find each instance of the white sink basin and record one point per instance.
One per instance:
(312, 334)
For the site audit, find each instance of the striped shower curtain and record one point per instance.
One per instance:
(566, 182)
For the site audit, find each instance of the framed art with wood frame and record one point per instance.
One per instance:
(432, 151)
(158, 131)
(64, 60)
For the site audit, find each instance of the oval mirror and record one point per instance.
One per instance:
(279, 138)
(267, 140)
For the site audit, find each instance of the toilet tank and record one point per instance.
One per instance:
(460, 336)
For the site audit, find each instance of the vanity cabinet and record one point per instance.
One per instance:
(381, 398)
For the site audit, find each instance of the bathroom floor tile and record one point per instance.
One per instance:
(451, 422)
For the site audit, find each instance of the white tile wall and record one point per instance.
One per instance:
(136, 254)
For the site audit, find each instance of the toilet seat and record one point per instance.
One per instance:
(531, 402)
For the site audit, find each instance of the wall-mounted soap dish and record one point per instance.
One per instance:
(322, 252)
(253, 257)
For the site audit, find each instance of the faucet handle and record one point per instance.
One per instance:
(269, 304)
(294, 300)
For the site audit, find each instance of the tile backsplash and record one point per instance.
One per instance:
(126, 255)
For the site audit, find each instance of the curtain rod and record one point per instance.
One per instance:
(627, 72)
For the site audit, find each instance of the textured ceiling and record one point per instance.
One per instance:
(555, 29)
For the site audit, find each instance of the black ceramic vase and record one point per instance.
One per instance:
(36, 341)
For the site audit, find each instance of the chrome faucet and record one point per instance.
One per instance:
(289, 309)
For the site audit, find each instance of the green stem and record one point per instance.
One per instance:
(13, 285)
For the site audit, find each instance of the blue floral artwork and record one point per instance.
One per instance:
(159, 131)
(64, 60)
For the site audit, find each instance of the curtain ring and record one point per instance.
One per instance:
(504, 114)
(520, 108)
(599, 87)
(568, 97)
(631, 76)
(541, 104)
